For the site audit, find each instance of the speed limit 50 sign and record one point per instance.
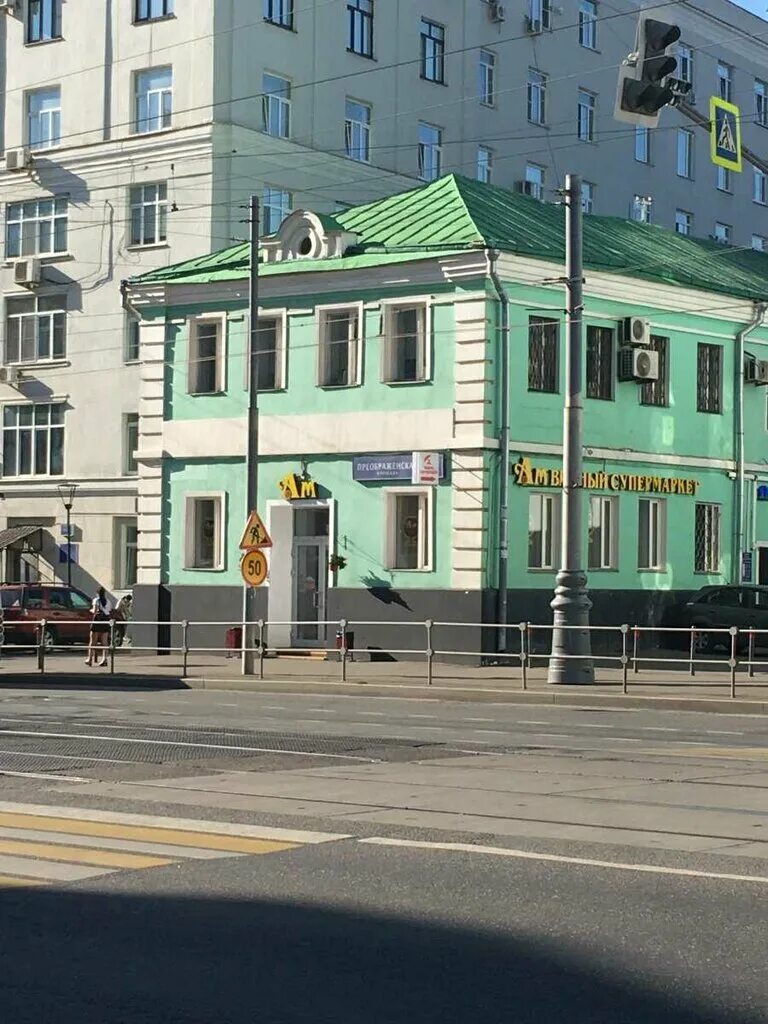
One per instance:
(253, 567)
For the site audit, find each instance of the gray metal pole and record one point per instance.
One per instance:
(571, 661)
(250, 610)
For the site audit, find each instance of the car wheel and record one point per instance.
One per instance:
(49, 639)
(703, 641)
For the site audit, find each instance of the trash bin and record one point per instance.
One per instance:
(234, 638)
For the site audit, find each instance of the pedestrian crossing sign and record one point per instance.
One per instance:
(725, 133)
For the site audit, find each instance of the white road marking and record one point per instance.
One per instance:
(556, 735)
(588, 725)
(497, 851)
(624, 739)
(723, 732)
(656, 728)
(433, 716)
(42, 775)
(479, 719)
(490, 732)
(378, 714)
(523, 722)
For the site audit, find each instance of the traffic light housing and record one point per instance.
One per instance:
(645, 78)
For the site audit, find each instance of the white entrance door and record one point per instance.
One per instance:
(310, 582)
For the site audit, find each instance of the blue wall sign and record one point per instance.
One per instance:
(762, 492)
(63, 551)
(387, 467)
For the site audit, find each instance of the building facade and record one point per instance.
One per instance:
(135, 130)
(370, 353)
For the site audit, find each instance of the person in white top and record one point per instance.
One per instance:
(101, 611)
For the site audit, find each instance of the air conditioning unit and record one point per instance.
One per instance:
(17, 159)
(27, 272)
(639, 364)
(636, 331)
(8, 6)
(496, 11)
(761, 371)
(533, 26)
(10, 375)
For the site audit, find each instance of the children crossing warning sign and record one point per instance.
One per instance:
(725, 133)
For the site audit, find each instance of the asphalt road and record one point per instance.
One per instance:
(377, 860)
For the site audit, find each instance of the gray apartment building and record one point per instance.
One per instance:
(133, 132)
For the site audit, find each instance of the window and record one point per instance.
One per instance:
(709, 378)
(43, 20)
(44, 118)
(338, 347)
(587, 197)
(600, 362)
(540, 14)
(205, 370)
(151, 10)
(276, 106)
(642, 144)
(275, 206)
(149, 214)
(725, 81)
(534, 181)
(130, 443)
(432, 51)
(270, 354)
(430, 151)
(656, 392)
(537, 96)
(35, 328)
(37, 227)
(203, 532)
(586, 116)
(409, 530)
(588, 24)
(706, 554)
(640, 209)
(487, 85)
(759, 243)
(684, 56)
(724, 179)
(279, 12)
(360, 27)
(132, 336)
(543, 531)
(684, 153)
(761, 103)
(406, 345)
(683, 222)
(126, 552)
(652, 534)
(723, 233)
(543, 355)
(759, 191)
(484, 164)
(154, 100)
(602, 545)
(357, 131)
(33, 440)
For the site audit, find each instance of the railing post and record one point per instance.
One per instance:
(261, 648)
(733, 661)
(428, 624)
(624, 658)
(41, 646)
(184, 647)
(111, 647)
(751, 654)
(635, 644)
(691, 663)
(524, 654)
(343, 628)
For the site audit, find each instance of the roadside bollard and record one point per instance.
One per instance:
(635, 645)
(733, 661)
(524, 638)
(624, 658)
(343, 631)
(751, 655)
(691, 663)
(41, 646)
(429, 651)
(111, 647)
(184, 647)
(261, 648)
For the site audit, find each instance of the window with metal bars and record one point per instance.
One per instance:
(600, 363)
(707, 538)
(656, 392)
(543, 351)
(709, 378)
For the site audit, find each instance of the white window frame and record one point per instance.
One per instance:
(713, 537)
(534, 175)
(540, 12)
(277, 105)
(426, 526)
(44, 127)
(162, 119)
(759, 186)
(37, 315)
(34, 428)
(484, 164)
(283, 209)
(321, 318)
(642, 144)
(683, 217)
(189, 530)
(138, 201)
(657, 535)
(640, 209)
(388, 308)
(685, 66)
(433, 50)
(587, 196)
(357, 133)
(549, 541)
(609, 540)
(128, 354)
(129, 453)
(279, 12)
(120, 562)
(142, 19)
(536, 96)
(726, 235)
(280, 317)
(586, 115)
(487, 72)
(761, 103)
(58, 218)
(588, 24)
(50, 27)
(193, 325)
(725, 81)
(433, 148)
(685, 153)
(759, 243)
(723, 179)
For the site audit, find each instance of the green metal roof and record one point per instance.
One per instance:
(456, 212)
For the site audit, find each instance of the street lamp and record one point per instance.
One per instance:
(67, 495)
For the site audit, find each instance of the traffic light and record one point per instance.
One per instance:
(645, 79)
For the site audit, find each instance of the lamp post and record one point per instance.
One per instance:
(67, 495)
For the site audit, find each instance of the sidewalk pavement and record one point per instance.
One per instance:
(666, 684)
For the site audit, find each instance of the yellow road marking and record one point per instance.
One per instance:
(7, 882)
(170, 837)
(77, 855)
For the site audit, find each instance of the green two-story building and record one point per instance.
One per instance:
(383, 338)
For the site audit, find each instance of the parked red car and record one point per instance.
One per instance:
(67, 613)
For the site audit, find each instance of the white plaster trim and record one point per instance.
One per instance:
(619, 455)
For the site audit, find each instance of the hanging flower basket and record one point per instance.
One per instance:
(336, 562)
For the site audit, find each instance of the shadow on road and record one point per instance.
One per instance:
(114, 959)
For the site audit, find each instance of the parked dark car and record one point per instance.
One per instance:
(720, 607)
(66, 610)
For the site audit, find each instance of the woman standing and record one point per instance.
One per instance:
(101, 610)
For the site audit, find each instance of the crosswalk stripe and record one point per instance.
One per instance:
(74, 855)
(129, 845)
(167, 836)
(49, 871)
